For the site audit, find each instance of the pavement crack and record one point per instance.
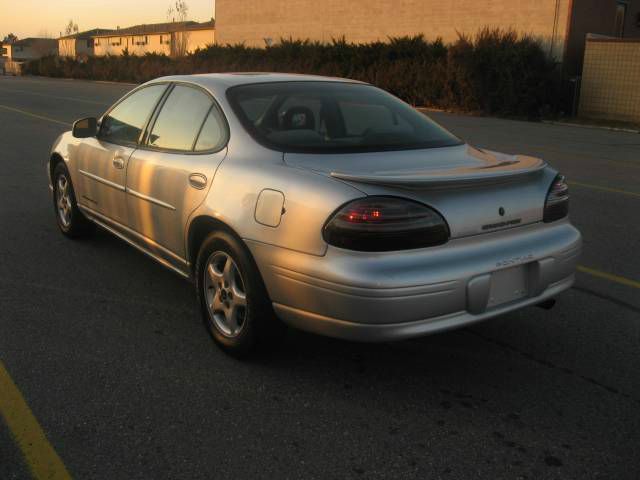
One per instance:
(546, 363)
(608, 298)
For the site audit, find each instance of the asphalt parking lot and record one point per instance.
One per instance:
(109, 354)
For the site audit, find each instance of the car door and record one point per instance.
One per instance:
(170, 174)
(102, 161)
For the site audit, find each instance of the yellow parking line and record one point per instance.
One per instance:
(40, 117)
(609, 276)
(604, 189)
(39, 455)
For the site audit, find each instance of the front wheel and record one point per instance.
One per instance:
(70, 219)
(233, 300)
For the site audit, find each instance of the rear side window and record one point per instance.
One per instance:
(213, 134)
(124, 123)
(181, 118)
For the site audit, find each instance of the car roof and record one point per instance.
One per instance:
(224, 81)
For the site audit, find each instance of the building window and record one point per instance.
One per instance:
(621, 13)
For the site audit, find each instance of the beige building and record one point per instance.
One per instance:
(611, 80)
(79, 44)
(176, 38)
(561, 24)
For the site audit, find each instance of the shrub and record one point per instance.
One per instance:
(495, 72)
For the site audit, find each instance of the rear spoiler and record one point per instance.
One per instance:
(466, 176)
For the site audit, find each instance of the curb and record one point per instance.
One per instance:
(66, 79)
(547, 122)
(593, 127)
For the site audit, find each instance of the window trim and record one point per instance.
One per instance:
(143, 143)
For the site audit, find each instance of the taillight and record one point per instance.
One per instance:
(557, 204)
(378, 224)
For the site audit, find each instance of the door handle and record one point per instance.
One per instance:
(197, 180)
(118, 162)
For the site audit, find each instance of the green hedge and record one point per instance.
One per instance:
(495, 72)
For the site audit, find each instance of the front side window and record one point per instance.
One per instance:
(124, 123)
(333, 117)
(180, 119)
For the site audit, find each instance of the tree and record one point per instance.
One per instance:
(179, 9)
(180, 37)
(11, 38)
(71, 28)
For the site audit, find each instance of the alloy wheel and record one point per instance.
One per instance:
(63, 200)
(225, 294)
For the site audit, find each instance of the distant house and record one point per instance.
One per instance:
(30, 49)
(80, 44)
(175, 38)
(13, 55)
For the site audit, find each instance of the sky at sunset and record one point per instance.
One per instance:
(28, 18)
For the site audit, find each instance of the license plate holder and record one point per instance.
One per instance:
(508, 285)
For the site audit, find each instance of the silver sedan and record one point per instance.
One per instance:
(324, 204)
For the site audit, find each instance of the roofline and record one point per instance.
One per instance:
(121, 33)
(30, 40)
(230, 80)
(84, 35)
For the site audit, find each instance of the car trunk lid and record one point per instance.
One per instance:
(476, 191)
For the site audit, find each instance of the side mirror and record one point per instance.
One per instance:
(85, 128)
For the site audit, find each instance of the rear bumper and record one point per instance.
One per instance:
(396, 295)
(332, 327)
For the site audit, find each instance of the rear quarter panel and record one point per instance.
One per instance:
(309, 200)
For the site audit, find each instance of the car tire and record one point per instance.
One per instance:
(70, 219)
(233, 300)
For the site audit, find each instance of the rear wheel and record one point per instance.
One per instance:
(225, 294)
(70, 219)
(233, 300)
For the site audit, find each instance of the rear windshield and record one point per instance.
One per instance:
(332, 117)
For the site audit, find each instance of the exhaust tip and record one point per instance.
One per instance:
(547, 304)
